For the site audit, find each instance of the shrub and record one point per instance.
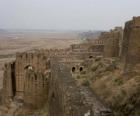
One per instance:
(118, 82)
(85, 83)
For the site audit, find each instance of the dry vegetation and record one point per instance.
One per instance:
(120, 91)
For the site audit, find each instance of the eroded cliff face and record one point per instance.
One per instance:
(131, 44)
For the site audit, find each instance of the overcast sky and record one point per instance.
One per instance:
(67, 14)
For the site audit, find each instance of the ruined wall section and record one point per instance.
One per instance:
(109, 44)
(20, 63)
(37, 61)
(112, 43)
(67, 99)
(96, 45)
(131, 44)
(35, 89)
(9, 80)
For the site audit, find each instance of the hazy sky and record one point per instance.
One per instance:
(67, 14)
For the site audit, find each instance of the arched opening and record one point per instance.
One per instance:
(53, 96)
(90, 57)
(35, 78)
(31, 56)
(31, 78)
(73, 69)
(48, 64)
(38, 55)
(43, 82)
(26, 56)
(44, 57)
(81, 69)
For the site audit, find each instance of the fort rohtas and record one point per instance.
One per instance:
(97, 77)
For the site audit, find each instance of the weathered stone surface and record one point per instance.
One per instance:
(67, 99)
(92, 46)
(108, 44)
(35, 89)
(131, 44)
(45, 75)
(112, 44)
(36, 60)
(9, 80)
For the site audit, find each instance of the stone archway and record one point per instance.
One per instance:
(81, 69)
(73, 69)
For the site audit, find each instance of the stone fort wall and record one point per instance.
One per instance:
(67, 99)
(38, 76)
(35, 89)
(9, 87)
(108, 44)
(37, 61)
(131, 44)
(112, 42)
